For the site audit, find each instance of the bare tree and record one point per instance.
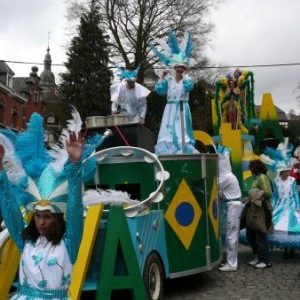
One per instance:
(297, 92)
(131, 24)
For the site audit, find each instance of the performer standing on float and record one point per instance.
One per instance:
(129, 97)
(176, 131)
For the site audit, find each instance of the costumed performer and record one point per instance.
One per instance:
(176, 131)
(47, 183)
(285, 200)
(231, 207)
(129, 97)
(295, 171)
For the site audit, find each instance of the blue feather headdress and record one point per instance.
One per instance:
(279, 159)
(40, 173)
(173, 53)
(125, 74)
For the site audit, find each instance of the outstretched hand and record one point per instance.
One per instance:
(74, 146)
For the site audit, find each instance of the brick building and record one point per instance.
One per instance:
(21, 96)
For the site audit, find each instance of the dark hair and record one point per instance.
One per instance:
(31, 233)
(256, 166)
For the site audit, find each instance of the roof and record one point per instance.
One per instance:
(280, 113)
(4, 68)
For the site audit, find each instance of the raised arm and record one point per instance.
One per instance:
(10, 208)
(74, 213)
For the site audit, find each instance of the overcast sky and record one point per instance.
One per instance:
(247, 33)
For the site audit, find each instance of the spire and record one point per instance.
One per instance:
(47, 76)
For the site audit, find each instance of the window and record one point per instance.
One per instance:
(36, 97)
(2, 109)
(51, 119)
(14, 117)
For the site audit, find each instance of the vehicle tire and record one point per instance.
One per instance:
(153, 276)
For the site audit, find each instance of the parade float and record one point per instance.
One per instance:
(173, 229)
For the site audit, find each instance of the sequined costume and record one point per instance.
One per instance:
(31, 176)
(170, 135)
(286, 217)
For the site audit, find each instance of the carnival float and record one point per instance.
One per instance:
(172, 228)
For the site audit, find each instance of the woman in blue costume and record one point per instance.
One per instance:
(286, 213)
(48, 184)
(285, 200)
(176, 131)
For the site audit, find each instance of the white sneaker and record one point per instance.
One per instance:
(254, 261)
(227, 268)
(262, 265)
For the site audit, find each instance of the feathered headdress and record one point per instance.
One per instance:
(279, 159)
(125, 74)
(173, 53)
(39, 173)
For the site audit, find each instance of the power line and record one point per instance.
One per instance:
(29, 63)
(255, 66)
(206, 67)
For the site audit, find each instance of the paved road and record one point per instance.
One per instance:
(247, 283)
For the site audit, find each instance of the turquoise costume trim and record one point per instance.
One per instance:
(10, 211)
(74, 214)
(32, 293)
(169, 138)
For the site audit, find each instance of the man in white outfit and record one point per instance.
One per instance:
(129, 97)
(230, 194)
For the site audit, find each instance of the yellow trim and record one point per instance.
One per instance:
(90, 231)
(9, 263)
(203, 137)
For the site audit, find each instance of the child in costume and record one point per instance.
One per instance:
(176, 131)
(47, 183)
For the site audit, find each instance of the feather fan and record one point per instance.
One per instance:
(173, 43)
(112, 197)
(75, 124)
(59, 152)
(30, 147)
(11, 163)
(270, 163)
(159, 54)
(186, 45)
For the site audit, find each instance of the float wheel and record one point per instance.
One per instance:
(153, 276)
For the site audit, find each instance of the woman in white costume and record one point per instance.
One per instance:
(176, 131)
(47, 183)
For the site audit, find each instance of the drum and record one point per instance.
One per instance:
(120, 120)
(95, 121)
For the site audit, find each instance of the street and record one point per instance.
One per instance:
(279, 282)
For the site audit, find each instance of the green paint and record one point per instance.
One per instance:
(118, 244)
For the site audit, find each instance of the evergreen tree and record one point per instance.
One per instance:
(86, 82)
